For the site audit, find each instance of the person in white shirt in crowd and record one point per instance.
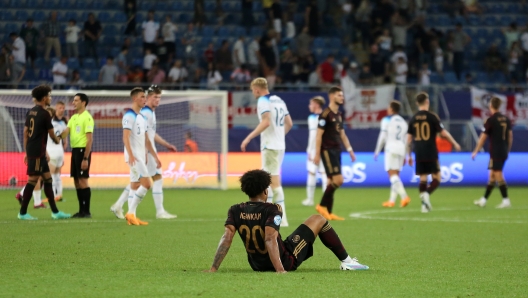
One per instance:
(109, 72)
(241, 75)
(72, 37)
(18, 48)
(60, 71)
(122, 65)
(150, 32)
(276, 16)
(168, 31)
(385, 43)
(253, 54)
(213, 77)
(148, 60)
(178, 73)
(438, 57)
(239, 53)
(425, 75)
(401, 70)
(398, 52)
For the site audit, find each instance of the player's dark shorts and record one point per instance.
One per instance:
(332, 161)
(76, 161)
(37, 166)
(299, 247)
(427, 167)
(496, 164)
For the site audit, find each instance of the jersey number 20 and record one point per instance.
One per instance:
(251, 235)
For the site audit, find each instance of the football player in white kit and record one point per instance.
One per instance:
(148, 111)
(316, 108)
(137, 142)
(392, 136)
(275, 123)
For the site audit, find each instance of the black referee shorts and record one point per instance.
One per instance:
(299, 245)
(496, 164)
(76, 161)
(331, 161)
(37, 166)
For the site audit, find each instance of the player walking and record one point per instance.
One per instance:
(330, 135)
(148, 112)
(275, 123)
(423, 128)
(137, 141)
(316, 108)
(392, 137)
(56, 151)
(498, 129)
(258, 224)
(36, 130)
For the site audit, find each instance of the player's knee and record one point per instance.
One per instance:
(156, 177)
(48, 181)
(337, 181)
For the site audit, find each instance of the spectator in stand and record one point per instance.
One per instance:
(156, 75)
(290, 25)
(239, 52)
(384, 11)
(130, 12)
(241, 75)
(51, 30)
(514, 65)
(422, 40)
(378, 64)
(17, 72)
(162, 52)
(30, 36)
(150, 32)
(247, 15)
(213, 77)
(148, 60)
(454, 7)
(347, 21)
(385, 43)
(306, 66)
(18, 49)
(460, 41)
(5, 64)
(253, 55)
(76, 80)
(438, 57)
(189, 40)
(60, 71)
(195, 72)
(400, 26)
(493, 60)
(363, 22)
(209, 54)
(425, 75)
(472, 6)
(353, 72)
(276, 16)
(303, 42)
(365, 77)
(122, 65)
(511, 34)
(269, 59)
(266, 8)
(190, 144)
(199, 13)
(136, 75)
(313, 77)
(376, 29)
(72, 37)
(340, 68)
(288, 60)
(398, 52)
(224, 61)
(311, 18)
(178, 73)
(401, 71)
(92, 32)
(524, 46)
(469, 79)
(109, 72)
(327, 70)
(168, 31)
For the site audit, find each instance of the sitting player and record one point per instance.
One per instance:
(258, 224)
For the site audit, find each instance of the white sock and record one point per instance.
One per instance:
(393, 195)
(270, 195)
(37, 199)
(123, 197)
(279, 199)
(505, 199)
(139, 194)
(324, 182)
(310, 187)
(57, 184)
(157, 193)
(347, 260)
(131, 194)
(398, 186)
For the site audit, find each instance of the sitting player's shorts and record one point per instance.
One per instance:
(272, 161)
(77, 156)
(152, 168)
(299, 245)
(496, 164)
(393, 161)
(138, 170)
(313, 168)
(56, 158)
(37, 166)
(332, 161)
(427, 167)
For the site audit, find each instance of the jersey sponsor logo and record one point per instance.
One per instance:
(296, 238)
(452, 173)
(277, 220)
(78, 128)
(322, 122)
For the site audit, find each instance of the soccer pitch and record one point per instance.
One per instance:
(458, 250)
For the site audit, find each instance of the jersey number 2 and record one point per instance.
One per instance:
(251, 235)
(279, 117)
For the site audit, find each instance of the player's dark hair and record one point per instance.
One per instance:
(495, 103)
(39, 92)
(135, 91)
(334, 90)
(395, 106)
(254, 182)
(154, 89)
(421, 98)
(83, 97)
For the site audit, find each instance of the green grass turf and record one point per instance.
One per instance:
(457, 250)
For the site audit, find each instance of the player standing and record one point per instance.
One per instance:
(330, 135)
(148, 112)
(56, 151)
(275, 123)
(392, 137)
(316, 108)
(258, 224)
(498, 129)
(137, 142)
(36, 130)
(423, 128)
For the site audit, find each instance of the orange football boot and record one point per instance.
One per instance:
(388, 204)
(405, 202)
(323, 211)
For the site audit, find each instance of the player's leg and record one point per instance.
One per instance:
(52, 168)
(332, 164)
(117, 207)
(272, 164)
(55, 165)
(28, 192)
(310, 183)
(393, 194)
(398, 187)
(489, 188)
(157, 194)
(264, 157)
(47, 182)
(278, 194)
(37, 196)
(75, 172)
(140, 184)
(503, 189)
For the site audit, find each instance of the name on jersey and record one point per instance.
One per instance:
(33, 113)
(421, 117)
(250, 216)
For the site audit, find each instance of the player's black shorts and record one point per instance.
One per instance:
(332, 161)
(299, 246)
(427, 167)
(496, 164)
(37, 166)
(76, 161)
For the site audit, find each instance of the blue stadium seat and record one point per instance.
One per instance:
(114, 51)
(188, 5)
(94, 76)
(9, 27)
(89, 63)
(72, 15)
(443, 20)
(137, 62)
(450, 78)
(65, 4)
(239, 31)
(232, 19)
(506, 20)
(436, 78)
(161, 6)
(110, 41)
(257, 5)
(145, 6)
(41, 63)
(260, 18)
(319, 42)
(136, 52)
(224, 32)
(120, 17)
(140, 17)
(209, 6)
(185, 17)
(256, 31)
(102, 61)
(110, 30)
(73, 63)
(104, 17)
(176, 6)
(497, 8)
(101, 52)
(490, 20)
(113, 4)
(45, 75)
(474, 20)
(97, 4)
(21, 15)
(521, 20)
(80, 5)
(49, 4)
(8, 16)
(208, 31)
(29, 75)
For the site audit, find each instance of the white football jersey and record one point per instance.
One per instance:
(150, 116)
(137, 124)
(59, 126)
(393, 135)
(273, 136)
(313, 120)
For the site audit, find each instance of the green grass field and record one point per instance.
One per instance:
(457, 250)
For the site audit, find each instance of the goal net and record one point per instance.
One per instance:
(202, 115)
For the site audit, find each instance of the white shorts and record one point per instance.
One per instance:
(393, 162)
(151, 166)
(272, 161)
(312, 168)
(56, 160)
(138, 170)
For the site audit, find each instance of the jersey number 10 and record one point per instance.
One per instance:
(423, 131)
(279, 117)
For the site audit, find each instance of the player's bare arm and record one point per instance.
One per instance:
(480, 144)
(158, 139)
(53, 137)
(445, 134)
(382, 137)
(257, 131)
(126, 141)
(347, 145)
(318, 142)
(87, 150)
(408, 148)
(288, 124)
(510, 140)
(223, 247)
(150, 148)
(273, 249)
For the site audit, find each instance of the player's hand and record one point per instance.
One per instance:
(56, 140)
(410, 161)
(84, 165)
(131, 160)
(457, 147)
(25, 160)
(244, 144)
(473, 155)
(171, 148)
(158, 163)
(375, 156)
(352, 156)
(317, 160)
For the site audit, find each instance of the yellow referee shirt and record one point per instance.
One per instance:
(79, 126)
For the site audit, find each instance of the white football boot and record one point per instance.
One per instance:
(308, 202)
(165, 215)
(504, 204)
(118, 212)
(481, 202)
(354, 265)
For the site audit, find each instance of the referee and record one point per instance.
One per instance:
(81, 126)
